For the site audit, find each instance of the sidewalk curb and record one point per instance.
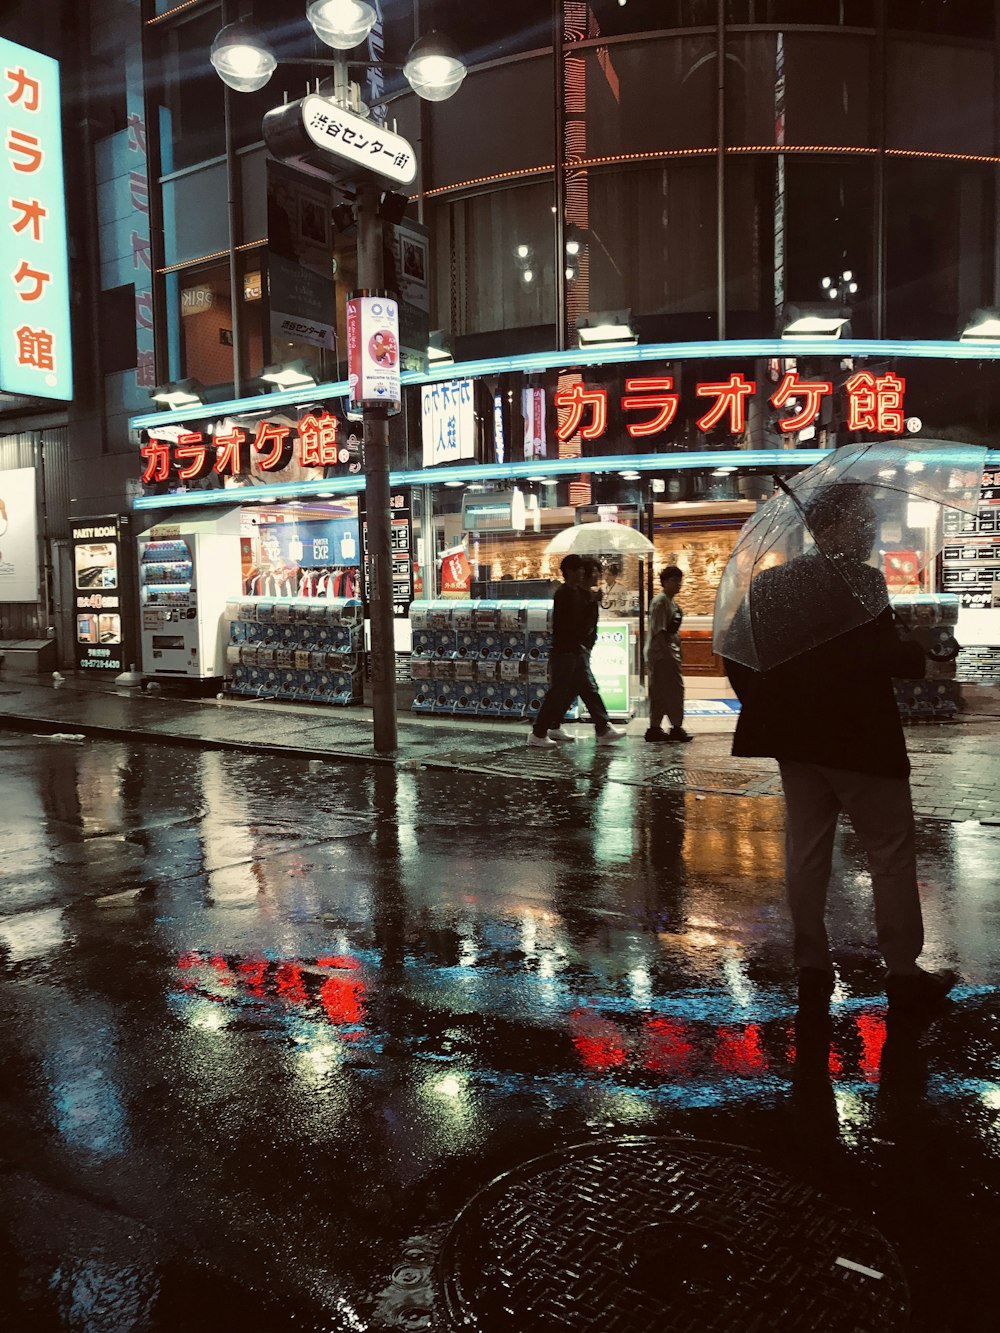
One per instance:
(47, 727)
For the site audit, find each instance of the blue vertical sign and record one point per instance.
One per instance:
(35, 350)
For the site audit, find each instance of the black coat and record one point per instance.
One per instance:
(834, 704)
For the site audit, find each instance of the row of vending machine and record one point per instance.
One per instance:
(480, 657)
(296, 648)
(930, 618)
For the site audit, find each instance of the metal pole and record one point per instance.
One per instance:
(235, 287)
(720, 168)
(371, 277)
(559, 178)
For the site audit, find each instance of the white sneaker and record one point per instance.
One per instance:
(610, 736)
(542, 741)
(557, 734)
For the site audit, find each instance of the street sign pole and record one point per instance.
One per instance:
(382, 659)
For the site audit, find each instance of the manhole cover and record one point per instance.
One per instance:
(645, 1235)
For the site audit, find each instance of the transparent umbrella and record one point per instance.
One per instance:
(809, 565)
(599, 539)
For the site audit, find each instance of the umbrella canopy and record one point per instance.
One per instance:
(809, 564)
(599, 539)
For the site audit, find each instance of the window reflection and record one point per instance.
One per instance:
(937, 247)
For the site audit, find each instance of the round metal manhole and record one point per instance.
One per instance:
(648, 1235)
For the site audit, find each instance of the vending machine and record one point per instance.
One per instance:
(187, 571)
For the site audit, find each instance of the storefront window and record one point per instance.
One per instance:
(938, 253)
(963, 18)
(494, 261)
(195, 214)
(191, 120)
(648, 96)
(651, 245)
(829, 233)
(205, 324)
(959, 117)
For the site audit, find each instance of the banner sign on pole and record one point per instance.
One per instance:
(35, 352)
(373, 352)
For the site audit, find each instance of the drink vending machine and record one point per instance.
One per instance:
(187, 571)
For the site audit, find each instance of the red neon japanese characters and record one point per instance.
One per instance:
(276, 439)
(231, 456)
(792, 388)
(645, 394)
(730, 397)
(875, 402)
(317, 440)
(576, 398)
(193, 452)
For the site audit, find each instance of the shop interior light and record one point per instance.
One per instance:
(433, 69)
(341, 23)
(454, 483)
(289, 375)
(179, 393)
(816, 321)
(611, 328)
(242, 58)
(630, 476)
(983, 324)
(438, 351)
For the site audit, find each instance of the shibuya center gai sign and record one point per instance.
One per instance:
(323, 138)
(874, 403)
(35, 352)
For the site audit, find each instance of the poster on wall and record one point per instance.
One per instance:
(99, 593)
(373, 352)
(533, 411)
(18, 536)
(401, 545)
(448, 422)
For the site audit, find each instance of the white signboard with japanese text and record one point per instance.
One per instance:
(373, 351)
(360, 141)
(448, 422)
(18, 536)
(35, 351)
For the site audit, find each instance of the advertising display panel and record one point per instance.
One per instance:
(99, 593)
(373, 352)
(18, 536)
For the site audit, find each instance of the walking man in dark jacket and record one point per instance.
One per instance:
(574, 631)
(829, 717)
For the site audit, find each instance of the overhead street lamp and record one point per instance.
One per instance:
(300, 132)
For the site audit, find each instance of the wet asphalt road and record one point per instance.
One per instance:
(266, 1026)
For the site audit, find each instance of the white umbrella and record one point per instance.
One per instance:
(599, 539)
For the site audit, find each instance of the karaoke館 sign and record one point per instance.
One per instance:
(241, 454)
(874, 403)
(35, 352)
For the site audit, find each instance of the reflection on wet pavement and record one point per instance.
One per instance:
(266, 1028)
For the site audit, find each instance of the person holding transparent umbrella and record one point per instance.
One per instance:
(810, 644)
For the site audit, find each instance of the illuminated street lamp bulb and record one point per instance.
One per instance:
(241, 58)
(433, 69)
(570, 273)
(847, 275)
(528, 275)
(341, 24)
(853, 287)
(825, 283)
(522, 251)
(573, 247)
